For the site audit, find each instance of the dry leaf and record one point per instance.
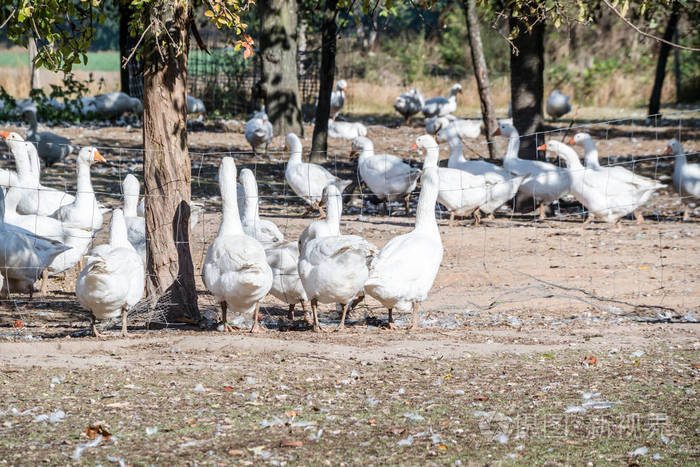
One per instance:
(372, 421)
(228, 388)
(235, 452)
(395, 431)
(590, 360)
(18, 324)
(481, 398)
(93, 430)
(291, 413)
(288, 443)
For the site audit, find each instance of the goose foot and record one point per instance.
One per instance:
(542, 213)
(588, 219)
(618, 224)
(407, 204)
(44, 282)
(686, 214)
(390, 321)
(290, 313)
(639, 217)
(477, 217)
(452, 218)
(341, 326)
(314, 310)
(93, 325)
(491, 217)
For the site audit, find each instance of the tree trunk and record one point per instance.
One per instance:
(527, 85)
(34, 81)
(167, 164)
(677, 67)
(124, 42)
(481, 73)
(280, 85)
(655, 99)
(319, 144)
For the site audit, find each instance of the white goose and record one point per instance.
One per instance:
(338, 98)
(283, 259)
(388, 176)
(686, 177)
(558, 104)
(403, 272)
(9, 177)
(500, 186)
(329, 226)
(614, 172)
(258, 131)
(441, 106)
(264, 231)
(23, 256)
(409, 103)
(83, 212)
(114, 104)
(346, 130)
(461, 127)
(308, 180)
(195, 106)
(333, 268)
(235, 268)
(113, 280)
(605, 199)
(547, 182)
(135, 224)
(42, 200)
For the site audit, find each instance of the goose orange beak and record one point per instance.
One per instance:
(667, 152)
(572, 141)
(497, 132)
(98, 156)
(5, 134)
(415, 146)
(542, 147)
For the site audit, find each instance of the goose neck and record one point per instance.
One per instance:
(425, 212)
(85, 195)
(513, 147)
(365, 154)
(456, 153)
(590, 154)
(230, 219)
(22, 164)
(131, 202)
(250, 207)
(118, 236)
(334, 211)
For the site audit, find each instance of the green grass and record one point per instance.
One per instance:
(97, 61)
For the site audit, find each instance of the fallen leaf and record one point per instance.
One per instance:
(372, 421)
(228, 388)
(288, 443)
(395, 431)
(590, 360)
(18, 324)
(643, 268)
(235, 452)
(481, 398)
(442, 447)
(93, 430)
(291, 413)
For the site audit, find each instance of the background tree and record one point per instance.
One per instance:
(278, 46)
(65, 30)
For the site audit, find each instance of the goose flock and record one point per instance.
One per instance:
(46, 231)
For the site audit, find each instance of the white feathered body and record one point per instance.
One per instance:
(346, 130)
(409, 103)
(286, 284)
(388, 176)
(258, 132)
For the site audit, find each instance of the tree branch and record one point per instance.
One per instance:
(133, 51)
(646, 34)
(8, 18)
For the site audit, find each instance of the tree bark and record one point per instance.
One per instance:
(167, 164)
(655, 99)
(527, 84)
(319, 144)
(677, 67)
(481, 73)
(124, 42)
(280, 85)
(34, 81)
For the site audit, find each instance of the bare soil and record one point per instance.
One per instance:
(504, 347)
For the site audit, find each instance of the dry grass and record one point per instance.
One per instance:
(16, 80)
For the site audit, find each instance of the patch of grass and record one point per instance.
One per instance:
(97, 61)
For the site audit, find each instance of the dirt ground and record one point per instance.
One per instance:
(528, 320)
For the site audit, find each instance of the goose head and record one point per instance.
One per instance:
(130, 189)
(456, 89)
(674, 148)
(292, 143)
(428, 143)
(562, 150)
(11, 137)
(581, 139)
(359, 145)
(341, 85)
(89, 155)
(505, 129)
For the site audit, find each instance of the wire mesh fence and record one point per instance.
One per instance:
(513, 271)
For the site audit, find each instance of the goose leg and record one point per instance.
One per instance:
(638, 216)
(542, 214)
(323, 213)
(391, 319)
(618, 224)
(44, 282)
(341, 326)
(452, 218)
(307, 318)
(256, 313)
(589, 218)
(93, 325)
(124, 331)
(491, 217)
(686, 213)
(314, 310)
(477, 217)
(407, 203)
(226, 327)
(414, 324)
(290, 313)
